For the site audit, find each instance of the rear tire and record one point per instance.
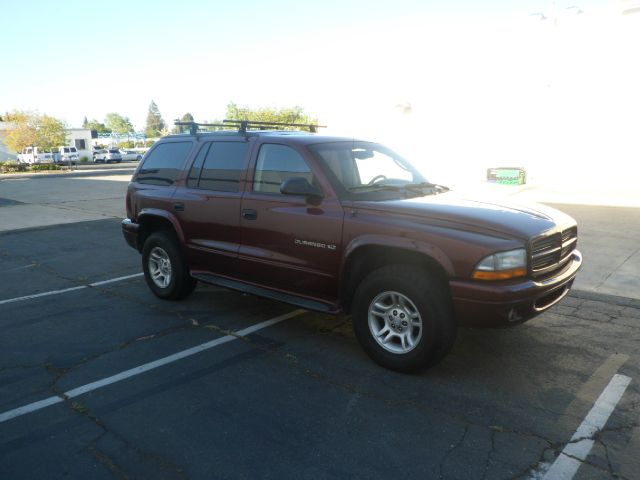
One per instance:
(165, 269)
(403, 318)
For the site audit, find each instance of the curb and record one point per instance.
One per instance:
(605, 298)
(71, 173)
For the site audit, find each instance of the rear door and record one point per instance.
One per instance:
(287, 242)
(208, 205)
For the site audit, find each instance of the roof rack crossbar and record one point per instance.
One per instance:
(193, 126)
(244, 125)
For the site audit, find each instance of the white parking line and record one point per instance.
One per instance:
(67, 290)
(569, 461)
(39, 405)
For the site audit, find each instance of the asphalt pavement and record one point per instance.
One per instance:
(100, 379)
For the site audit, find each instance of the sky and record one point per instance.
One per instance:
(487, 79)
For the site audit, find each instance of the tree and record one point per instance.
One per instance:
(117, 123)
(52, 133)
(187, 117)
(97, 126)
(283, 115)
(155, 123)
(33, 129)
(85, 122)
(23, 134)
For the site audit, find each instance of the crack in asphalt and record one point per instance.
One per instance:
(490, 453)
(450, 451)
(157, 459)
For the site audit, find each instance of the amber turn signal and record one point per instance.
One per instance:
(499, 275)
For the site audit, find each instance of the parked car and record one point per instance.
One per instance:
(130, 155)
(340, 225)
(98, 152)
(67, 155)
(109, 155)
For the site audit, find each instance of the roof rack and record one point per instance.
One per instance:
(244, 125)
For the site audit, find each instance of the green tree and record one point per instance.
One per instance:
(282, 115)
(97, 126)
(187, 117)
(117, 123)
(85, 122)
(33, 129)
(52, 133)
(155, 123)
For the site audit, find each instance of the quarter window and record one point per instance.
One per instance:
(277, 163)
(163, 164)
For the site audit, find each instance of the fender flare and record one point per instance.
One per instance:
(155, 212)
(402, 243)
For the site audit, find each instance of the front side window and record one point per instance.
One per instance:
(163, 164)
(218, 166)
(277, 163)
(369, 169)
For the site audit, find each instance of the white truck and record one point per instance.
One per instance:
(68, 155)
(35, 155)
(64, 155)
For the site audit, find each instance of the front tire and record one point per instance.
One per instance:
(403, 318)
(165, 269)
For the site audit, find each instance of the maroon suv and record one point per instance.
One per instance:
(339, 225)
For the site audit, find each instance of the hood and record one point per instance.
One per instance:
(483, 215)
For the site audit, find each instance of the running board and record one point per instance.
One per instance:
(263, 292)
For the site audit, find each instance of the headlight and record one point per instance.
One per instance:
(502, 266)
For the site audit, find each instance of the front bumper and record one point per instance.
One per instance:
(130, 231)
(494, 304)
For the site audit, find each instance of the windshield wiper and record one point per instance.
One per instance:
(376, 187)
(410, 187)
(421, 185)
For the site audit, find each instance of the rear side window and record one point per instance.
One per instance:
(163, 164)
(275, 164)
(219, 166)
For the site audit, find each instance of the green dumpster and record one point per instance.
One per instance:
(507, 175)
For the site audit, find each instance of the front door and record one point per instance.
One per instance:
(288, 243)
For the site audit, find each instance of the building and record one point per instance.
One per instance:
(81, 139)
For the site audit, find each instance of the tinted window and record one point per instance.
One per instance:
(275, 164)
(223, 166)
(196, 168)
(162, 165)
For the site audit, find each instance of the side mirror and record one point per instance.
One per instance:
(300, 186)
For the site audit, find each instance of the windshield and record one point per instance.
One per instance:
(368, 169)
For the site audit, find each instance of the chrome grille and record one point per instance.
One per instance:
(551, 252)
